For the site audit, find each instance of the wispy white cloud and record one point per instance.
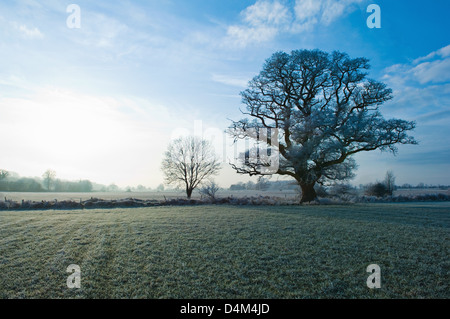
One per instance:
(443, 53)
(422, 94)
(265, 12)
(419, 103)
(333, 9)
(422, 90)
(230, 80)
(264, 20)
(307, 9)
(440, 117)
(434, 72)
(432, 68)
(31, 33)
(309, 13)
(242, 36)
(101, 31)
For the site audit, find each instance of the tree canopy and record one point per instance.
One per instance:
(321, 109)
(188, 162)
(49, 177)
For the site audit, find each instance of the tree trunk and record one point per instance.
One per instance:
(308, 193)
(189, 192)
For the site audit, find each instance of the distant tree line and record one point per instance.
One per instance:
(12, 182)
(263, 184)
(26, 184)
(379, 189)
(423, 185)
(21, 185)
(84, 186)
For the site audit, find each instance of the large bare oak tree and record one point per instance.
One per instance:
(188, 162)
(324, 110)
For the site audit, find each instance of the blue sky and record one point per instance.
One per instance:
(102, 101)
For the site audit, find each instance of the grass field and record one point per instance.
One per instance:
(228, 252)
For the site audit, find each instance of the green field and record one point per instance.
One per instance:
(228, 252)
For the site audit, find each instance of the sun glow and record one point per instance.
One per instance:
(79, 135)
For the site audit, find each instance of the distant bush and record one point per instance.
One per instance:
(238, 187)
(209, 190)
(377, 190)
(73, 187)
(403, 198)
(342, 190)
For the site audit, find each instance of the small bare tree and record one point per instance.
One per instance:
(188, 162)
(49, 177)
(389, 181)
(3, 174)
(210, 190)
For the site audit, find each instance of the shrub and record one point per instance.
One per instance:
(377, 190)
(342, 190)
(209, 190)
(237, 187)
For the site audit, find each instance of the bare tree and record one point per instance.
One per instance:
(389, 181)
(49, 178)
(262, 184)
(3, 174)
(321, 109)
(210, 190)
(188, 162)
(112, 188)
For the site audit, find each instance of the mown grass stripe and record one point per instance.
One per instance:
(230, 252)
